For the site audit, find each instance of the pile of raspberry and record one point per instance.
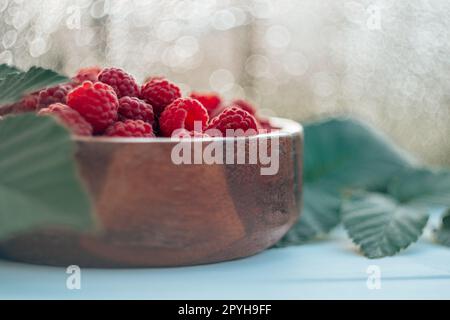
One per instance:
(109, 102)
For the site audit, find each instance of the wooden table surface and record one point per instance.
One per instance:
(323, 270)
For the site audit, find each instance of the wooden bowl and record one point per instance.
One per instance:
(153, 212)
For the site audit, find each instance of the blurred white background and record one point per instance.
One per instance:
(386, 62)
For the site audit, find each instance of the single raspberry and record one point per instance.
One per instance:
(86, 74)
(122, 82)
(210, 100)
(183, 133)
(234, 118)
(244, 105)
(96, 102)
(181, 114)
(130, 128)
(52, 95)
(68, 117)
(135, 109)
(159, 93)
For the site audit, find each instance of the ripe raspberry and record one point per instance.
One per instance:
(159, 93)
(68, 117)
(234, 118)
(135, 109)
(130, 128)
(96, 102)
(210, 100)
(244, 105)
(122, 82)
(182, 113)
(53, 95)
(86, 74)
(27, 104)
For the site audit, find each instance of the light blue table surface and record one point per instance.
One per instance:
(323, 270)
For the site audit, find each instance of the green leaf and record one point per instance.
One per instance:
(340, 154)
(381, 226)
(39, 184)
(421, 187)
(6, 69)
(344, 153)
(14, 84)
(442, 235)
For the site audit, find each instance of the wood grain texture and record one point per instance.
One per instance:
(155, 213)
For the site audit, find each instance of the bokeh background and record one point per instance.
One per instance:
(386, 62)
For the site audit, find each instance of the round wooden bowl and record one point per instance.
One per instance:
(152, 212)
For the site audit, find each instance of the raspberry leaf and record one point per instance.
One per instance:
(442, 235)
(39, 184)
(422, 187)
(6, 69)
(15, 83)
(341, 154)
(380, 225)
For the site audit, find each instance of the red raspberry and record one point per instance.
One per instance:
(68, 117)
(135, 109)
(54, 95)
(159, 93)
(182, 113)
(210, 100)
(122, 82)
(86, 74)
(234, 118)
(27, 104)
(130, 128)
(244, 105)
(96, 102)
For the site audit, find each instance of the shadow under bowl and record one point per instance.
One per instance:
(152, 212)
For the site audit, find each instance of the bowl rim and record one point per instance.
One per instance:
(286, 127)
